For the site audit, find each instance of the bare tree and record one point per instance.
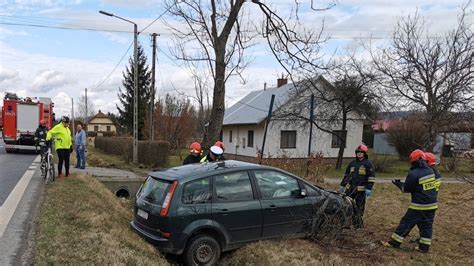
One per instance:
(430, 73)
(84, 115)
(216, 35)
(174, 121)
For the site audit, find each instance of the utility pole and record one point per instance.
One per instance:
(87, 112)
(72, 116)
(152, 103)
(135, 94)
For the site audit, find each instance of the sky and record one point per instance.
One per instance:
(40, 55)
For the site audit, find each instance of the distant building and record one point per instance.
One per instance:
(457, 138)
(244, 127)
(100, 124)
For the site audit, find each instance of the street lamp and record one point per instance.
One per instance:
(135, 83)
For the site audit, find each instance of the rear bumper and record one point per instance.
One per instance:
(163, 244)
(20, 147)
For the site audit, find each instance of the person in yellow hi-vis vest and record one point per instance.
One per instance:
(62, 143)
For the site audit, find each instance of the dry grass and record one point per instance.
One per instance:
(97, 158)
(453, 236)
(81, 222)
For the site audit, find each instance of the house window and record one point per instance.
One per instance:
(288, 139)
(230, 136)
(96, 128)
(250, 138)
(337, 136)
(108, 128)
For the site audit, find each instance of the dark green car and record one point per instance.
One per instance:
(200, 210)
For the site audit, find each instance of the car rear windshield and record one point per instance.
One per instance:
(154, 190)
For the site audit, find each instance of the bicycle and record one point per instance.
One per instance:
(48, 171)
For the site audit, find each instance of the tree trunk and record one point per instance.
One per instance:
(340, 154)
(217, 113)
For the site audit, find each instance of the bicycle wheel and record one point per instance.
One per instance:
(52, 171)
(44, 171)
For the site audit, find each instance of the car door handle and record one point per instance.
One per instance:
(271, 207)
(224, 212)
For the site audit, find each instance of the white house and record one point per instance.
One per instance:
(244, 126)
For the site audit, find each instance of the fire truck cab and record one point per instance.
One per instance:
(20, 118)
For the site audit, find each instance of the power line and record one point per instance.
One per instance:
(162, 14)
(62, 27)
(115, 67)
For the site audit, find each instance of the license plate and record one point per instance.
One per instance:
(142, 214)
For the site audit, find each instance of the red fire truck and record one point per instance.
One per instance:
(20, 118)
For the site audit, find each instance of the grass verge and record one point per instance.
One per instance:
(81, 222)
(97, 158)
(453, 238)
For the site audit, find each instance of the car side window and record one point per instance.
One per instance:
(310, 191)
(196, 191)
(233, 187)
(274, 184)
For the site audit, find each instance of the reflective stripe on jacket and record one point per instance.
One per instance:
(423, 185)
(62, 136)
(359, 175)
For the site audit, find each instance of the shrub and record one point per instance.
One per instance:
(382, 164)
(407, 135)
(154, 153)
(316, 170)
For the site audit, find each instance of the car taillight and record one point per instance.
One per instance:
(166, 234)
(169, 197)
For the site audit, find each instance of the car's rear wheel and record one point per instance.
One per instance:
(202, 250)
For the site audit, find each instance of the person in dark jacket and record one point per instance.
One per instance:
(194, 154)
(359, 180)
(40, 137)
(423, 185)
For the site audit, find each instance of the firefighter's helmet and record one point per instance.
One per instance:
(430, 158)
(220, 144)
(362, 148)
(195, 148)
(417, 155)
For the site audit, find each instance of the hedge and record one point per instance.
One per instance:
(154, 153)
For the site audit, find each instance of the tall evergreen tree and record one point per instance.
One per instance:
(126, 93)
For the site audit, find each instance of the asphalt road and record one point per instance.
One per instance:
(12, 168)
(20, 191)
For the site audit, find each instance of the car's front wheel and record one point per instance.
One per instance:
(202, 250)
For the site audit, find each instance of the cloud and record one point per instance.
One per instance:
(49, 79)
(118, 38)
(7, 75)
(62, 104)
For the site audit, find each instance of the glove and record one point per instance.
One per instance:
(368, 193)
(398, 183)
(342, 189)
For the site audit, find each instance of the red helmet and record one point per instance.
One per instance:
(220, 144)
(430, 158)
(416, 155)
(42, 122)
(362, 148)
(195, 147)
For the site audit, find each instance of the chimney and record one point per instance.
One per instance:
(282, 81)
